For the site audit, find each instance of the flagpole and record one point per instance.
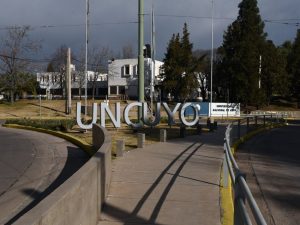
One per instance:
(141, 55)
(211, 57)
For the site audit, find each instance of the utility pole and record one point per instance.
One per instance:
(86, 54)
(68, 83)
(153, 57)
(141, 55)
(259, 72)
(212, 56)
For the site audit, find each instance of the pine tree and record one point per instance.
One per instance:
(294, 66)
(274, 77)
(242, 45)
(179, 67)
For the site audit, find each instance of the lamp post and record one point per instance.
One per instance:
(141, 55)
(86, 55)
(212, 55)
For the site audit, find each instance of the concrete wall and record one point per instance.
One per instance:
(79, 199)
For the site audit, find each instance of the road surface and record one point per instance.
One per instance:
(272, 164)
(32, 165)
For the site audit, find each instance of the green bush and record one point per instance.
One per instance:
(49, 124)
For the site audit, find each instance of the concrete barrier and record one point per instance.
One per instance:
(79, 199)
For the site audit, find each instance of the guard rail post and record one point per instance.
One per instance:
(247, 124)
(225, 167)
(241, 188)
(238, 195)
(239, 129)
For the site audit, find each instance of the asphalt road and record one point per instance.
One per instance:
(32, 165)
(272, 164)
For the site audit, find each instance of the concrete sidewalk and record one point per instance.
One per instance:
(176, 182)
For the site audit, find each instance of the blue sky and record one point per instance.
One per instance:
(115, 21)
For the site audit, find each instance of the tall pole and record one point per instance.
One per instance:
(86, 55)
(259, 72)
(141, 56)
(153, 57)
(212, 56)
(68, 83)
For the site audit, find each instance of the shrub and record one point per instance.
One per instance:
(49, 124)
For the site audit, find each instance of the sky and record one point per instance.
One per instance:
(113, 22)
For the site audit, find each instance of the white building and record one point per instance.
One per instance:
(52, 83)
(123, 77)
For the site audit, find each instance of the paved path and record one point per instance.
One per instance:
(31, 166)
(272, 164)
(168, 183)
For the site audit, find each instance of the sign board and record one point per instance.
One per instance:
(218, 109)
(225, 109)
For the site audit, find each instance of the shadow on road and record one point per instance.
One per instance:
(72, 164)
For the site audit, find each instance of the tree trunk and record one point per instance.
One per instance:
(12, 96)
(79, 90)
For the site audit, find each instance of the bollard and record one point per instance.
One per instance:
(140, 140)
(182, 131)
(215, 125)
(120, 147)
(163, 135)
(199, 128)
(264, 120)
(239, 129)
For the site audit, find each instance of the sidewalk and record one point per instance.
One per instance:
(176, 182)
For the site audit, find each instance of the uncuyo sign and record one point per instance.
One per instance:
(116, 117)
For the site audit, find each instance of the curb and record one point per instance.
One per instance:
(227, 207)
(83, 145)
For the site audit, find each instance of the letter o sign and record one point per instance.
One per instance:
(195, 116)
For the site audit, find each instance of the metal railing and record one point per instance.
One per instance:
(242, 193)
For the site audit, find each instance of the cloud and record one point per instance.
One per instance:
(72, 12)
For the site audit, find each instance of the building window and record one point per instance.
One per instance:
(126, 70)
(122, 90)
(113, 90)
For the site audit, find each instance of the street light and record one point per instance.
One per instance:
(141, 54)
(212, 55)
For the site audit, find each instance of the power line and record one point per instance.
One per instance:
(67, 25)
(289, 21)
(28, 59)
(297, 24)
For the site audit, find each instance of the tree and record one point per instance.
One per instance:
(274, 78)
(98, 61)
(14, 48)
(242, 46)
(127, 52)
(294, 66)
(180, 79)
(58, 64)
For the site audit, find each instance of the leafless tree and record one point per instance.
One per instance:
(14, 47)
(128, 52)
(97, 62)
(58, 64)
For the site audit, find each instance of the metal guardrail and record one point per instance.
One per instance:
(242, 193)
